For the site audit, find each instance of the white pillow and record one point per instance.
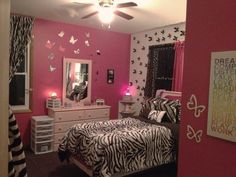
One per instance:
(156, 115)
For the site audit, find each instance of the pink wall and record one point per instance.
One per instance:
(210, 27)
(115, 54)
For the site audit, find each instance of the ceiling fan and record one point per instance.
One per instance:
(110, 4)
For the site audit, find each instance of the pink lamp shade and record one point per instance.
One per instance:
(127, 96)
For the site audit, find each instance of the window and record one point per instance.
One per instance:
(19, 88)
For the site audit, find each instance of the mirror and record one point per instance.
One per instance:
(76, 81)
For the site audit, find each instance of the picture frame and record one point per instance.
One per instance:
(110, 76)
(221, 113)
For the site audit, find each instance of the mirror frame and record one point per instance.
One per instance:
(67, 102)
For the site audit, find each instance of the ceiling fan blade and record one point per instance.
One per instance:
(123, 15)
(83, 4)
(126, 4)
(89, 15)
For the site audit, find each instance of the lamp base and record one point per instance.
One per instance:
(127, 98)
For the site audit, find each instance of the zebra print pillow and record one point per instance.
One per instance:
(147, 106)
(172, 108)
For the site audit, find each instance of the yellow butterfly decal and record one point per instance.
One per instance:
(192, 134)
(193, 105)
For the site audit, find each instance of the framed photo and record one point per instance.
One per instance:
(222, 96)
(110, 76)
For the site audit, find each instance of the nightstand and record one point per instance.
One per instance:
(126, 109)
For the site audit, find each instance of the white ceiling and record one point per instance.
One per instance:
(147, 15)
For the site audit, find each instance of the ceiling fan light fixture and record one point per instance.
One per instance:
(106, 3)
(106, 15)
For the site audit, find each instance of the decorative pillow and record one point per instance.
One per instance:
(172, 108)
(156, 115)
(147, 106)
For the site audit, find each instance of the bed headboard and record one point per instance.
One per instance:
(167, 93)
(172, 95)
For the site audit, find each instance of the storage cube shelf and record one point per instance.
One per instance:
(41, 134)
(53, 103)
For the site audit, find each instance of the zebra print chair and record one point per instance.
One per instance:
(16, 155)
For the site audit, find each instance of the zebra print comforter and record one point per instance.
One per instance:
(119, 146)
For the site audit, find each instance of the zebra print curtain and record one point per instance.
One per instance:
(160, 69)
(20, 33)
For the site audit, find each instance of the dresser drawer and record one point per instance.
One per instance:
(69, 116)
(41, 138)
(64, 126)
(43, 128)
(55, 147)
(97, 113)
(58, 137)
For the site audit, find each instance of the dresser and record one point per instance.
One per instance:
(64, 118)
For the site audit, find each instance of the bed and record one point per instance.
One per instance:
(123, 146)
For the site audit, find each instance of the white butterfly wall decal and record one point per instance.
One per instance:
(51, 56)
(49, 44)
(193, 105)
(192, 134)
(73, 40)
(61, 34)
(87, 35)
(87, 43)
(51, 68)
(77, 51)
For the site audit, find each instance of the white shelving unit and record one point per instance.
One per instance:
(41, 134)
(126, 109)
